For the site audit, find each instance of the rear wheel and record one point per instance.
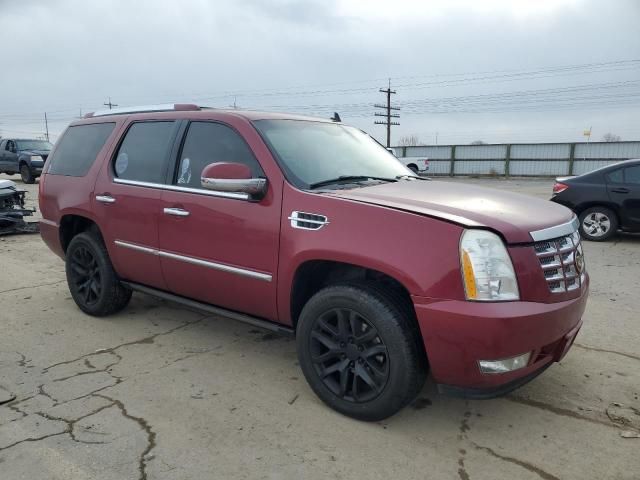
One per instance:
(92, 281)
(598, 224)
(359, 352)
(26, 174)
(413, 168)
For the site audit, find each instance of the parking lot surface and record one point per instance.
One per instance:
(161, 392)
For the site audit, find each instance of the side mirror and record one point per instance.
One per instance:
(233, 178)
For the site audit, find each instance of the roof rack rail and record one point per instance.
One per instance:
(167, 107)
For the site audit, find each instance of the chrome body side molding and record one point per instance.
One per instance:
(265, 277)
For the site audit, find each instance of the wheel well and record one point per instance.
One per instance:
(584, 206)
(314, 275)
(409, 165)
(72, 225)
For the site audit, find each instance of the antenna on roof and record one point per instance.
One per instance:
(336, 117)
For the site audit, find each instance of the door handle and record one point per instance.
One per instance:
(105, 199)
(176, 212)
(620, 190)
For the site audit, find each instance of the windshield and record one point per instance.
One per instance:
(314, 152)
(33, 145)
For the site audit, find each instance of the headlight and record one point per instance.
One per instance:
(37, 158)
(487, 271)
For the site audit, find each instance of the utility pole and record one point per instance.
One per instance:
(109, 104)
(46, 125)
(388, 113)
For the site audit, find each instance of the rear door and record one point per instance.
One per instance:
(127, 199)
(216, 247)
(624, 189)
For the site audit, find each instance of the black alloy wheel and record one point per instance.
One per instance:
(360, 349)
(349, 355)
(93, 283)
(85, 275)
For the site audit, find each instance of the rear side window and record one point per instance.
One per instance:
(632, 175)
(616, 176)
(144, 152)
(78, 149)
(208, 142)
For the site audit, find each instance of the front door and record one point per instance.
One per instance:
(127, 200)
(213, 247)
(624, 189)
(9, 157)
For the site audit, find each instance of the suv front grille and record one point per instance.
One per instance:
(562, 262)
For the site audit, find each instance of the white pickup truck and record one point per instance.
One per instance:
(417, 164)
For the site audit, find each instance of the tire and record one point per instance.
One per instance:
(598, 224)
(413, 168)
(93, 283)
(26, 174)
(369, 375)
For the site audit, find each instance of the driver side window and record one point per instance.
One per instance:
(209, 142)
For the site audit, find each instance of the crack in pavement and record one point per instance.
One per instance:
(112, 350)
(70, 423)
(565, 412)
(526, 465)
(603, 350)
(462, 437)
(151, 435)
(32, 286)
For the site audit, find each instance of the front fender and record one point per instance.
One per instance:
(420, 252)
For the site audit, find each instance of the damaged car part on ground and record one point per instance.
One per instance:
(382, 276)
(13, 210)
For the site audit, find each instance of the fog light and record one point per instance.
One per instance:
(505, 365)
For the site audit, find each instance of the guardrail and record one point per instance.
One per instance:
(521, 159)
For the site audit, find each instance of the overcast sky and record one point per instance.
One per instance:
(464, 70)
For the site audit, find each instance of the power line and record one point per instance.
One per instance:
(388, 122)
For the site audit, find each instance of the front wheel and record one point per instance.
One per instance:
(26, 174)
(358, 350)
(598, 224)
(92, 281)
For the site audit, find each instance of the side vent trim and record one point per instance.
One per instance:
(307, 221)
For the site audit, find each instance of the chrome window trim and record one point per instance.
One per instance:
(555, 232)
(175, 188)
(266, 277)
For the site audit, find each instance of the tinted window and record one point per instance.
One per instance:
(210, 143)
(144, 152)
(616, 176)
(78, 148)
(632, 175)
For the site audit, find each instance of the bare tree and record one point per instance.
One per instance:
(478, 142)
(611, 137)
(409, 141)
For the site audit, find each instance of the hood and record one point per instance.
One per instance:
(511, 214)
(43, 153)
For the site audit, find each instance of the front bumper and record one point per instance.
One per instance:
(457, 334)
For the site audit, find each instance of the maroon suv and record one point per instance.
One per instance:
(309, 227)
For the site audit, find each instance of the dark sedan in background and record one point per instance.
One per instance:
(605, 200)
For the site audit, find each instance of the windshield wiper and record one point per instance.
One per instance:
(417, 177)
(355, 178)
